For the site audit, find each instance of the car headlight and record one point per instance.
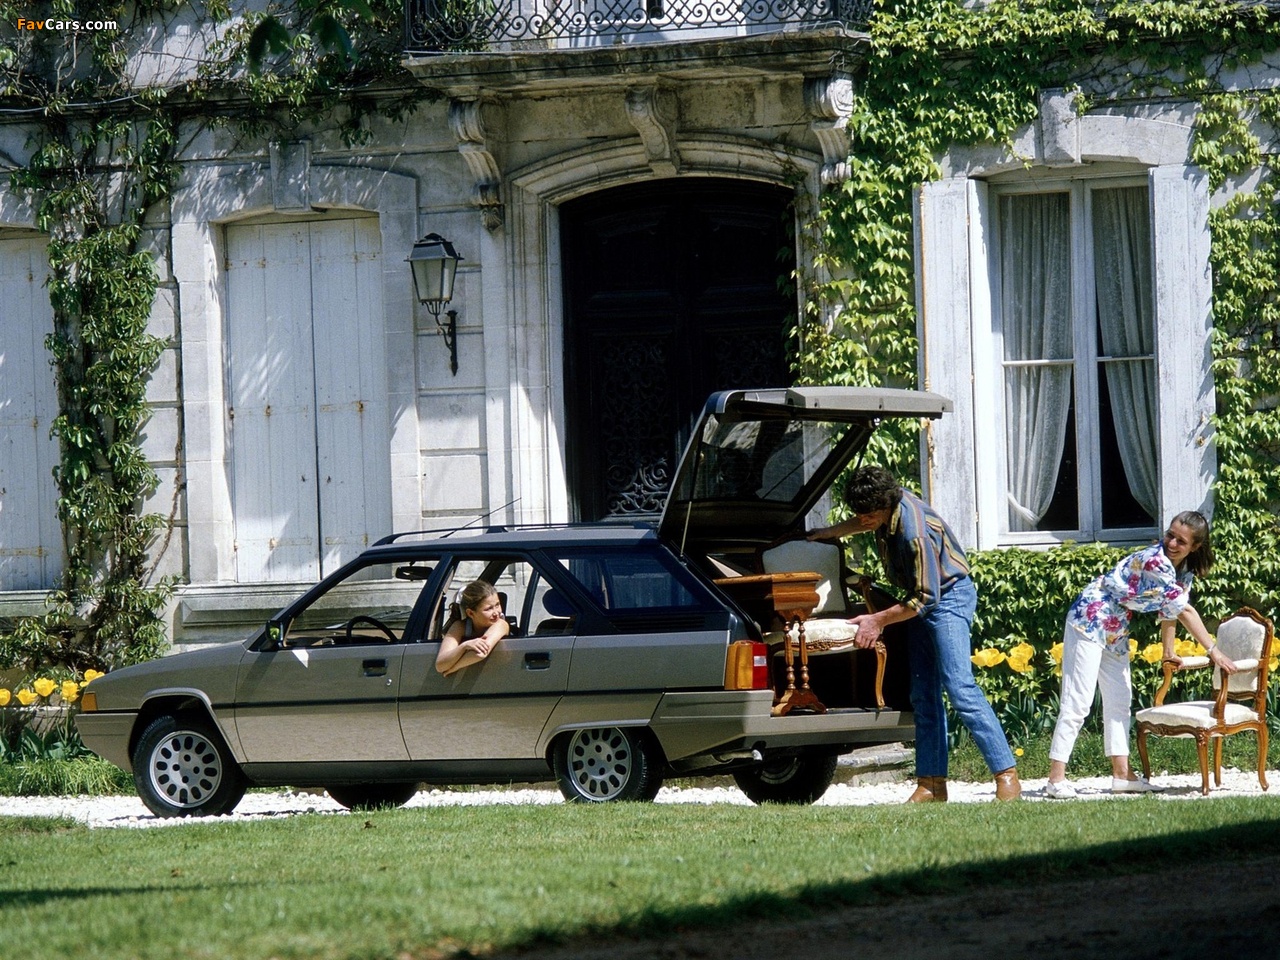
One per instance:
(88, 702)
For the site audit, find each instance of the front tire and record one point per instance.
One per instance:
(793, 780)
(182, 768)
(373, 796)
(604, 764)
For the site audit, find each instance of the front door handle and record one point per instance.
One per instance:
(537, 661)
(375, 668)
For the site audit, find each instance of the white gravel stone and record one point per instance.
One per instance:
(257, 805)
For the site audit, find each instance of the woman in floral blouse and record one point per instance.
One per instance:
(1095, 652)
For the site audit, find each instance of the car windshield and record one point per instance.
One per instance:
(766, 460)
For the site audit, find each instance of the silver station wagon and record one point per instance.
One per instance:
(636, 652)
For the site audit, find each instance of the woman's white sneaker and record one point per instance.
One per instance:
(1060, 790)
(1121, 785)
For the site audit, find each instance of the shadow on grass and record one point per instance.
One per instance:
(1233, 845)
(74, 896)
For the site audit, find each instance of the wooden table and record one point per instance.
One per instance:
(789, 598)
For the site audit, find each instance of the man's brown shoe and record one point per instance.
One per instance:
(1008, 787)
(929, 790)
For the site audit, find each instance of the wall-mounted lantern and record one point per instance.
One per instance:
(434, 263)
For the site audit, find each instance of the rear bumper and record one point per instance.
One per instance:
(690, 724)
(107, 735)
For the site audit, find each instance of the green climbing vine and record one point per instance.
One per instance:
(105, 155)
(940, 74)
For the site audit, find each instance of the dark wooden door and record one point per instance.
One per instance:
(673, 289)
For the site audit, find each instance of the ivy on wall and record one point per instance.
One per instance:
(940, 74)
(103, 164)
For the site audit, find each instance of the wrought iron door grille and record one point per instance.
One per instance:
(455, 26)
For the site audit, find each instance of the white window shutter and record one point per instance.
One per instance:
(30, 535)
(951, 292)
(1184, 323)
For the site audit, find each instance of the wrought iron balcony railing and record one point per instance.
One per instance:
(451, 26)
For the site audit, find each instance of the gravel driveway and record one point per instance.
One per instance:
(128, 811)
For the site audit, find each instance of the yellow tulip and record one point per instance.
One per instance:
(1020, 658)
(70, 691)
(26, 697)
(1133, 647)
(1187, 648)
(44, 686)
(4, 697)
(1153, 652)
(1055, 654)
(989, 657)
(91, 675)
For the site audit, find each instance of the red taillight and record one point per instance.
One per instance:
(760, 667)
(747, 666)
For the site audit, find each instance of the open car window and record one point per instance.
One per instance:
(513, 577)
(373, 605)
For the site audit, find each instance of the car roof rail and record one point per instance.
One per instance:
(441, 533)
(438, 532)
(444, 531)
(621, 522)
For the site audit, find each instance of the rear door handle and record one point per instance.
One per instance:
(375, 668)
(537, 661)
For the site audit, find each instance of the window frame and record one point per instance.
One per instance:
(1085, 360)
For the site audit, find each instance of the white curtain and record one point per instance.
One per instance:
(1036, 321)
(1122, 275)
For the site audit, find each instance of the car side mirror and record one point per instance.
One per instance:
(274, 635)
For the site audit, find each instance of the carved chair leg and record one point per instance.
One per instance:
(1262, 755)
(880, 661)
(1202, 748)
(1217, 761)
(1142, 752)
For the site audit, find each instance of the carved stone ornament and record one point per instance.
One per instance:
(468, 126)
(653, 112)
(1058, 128)
(830, 104)
(290, 175)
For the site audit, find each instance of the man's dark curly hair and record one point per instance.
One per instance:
(869, 489)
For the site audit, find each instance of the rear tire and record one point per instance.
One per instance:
(606, 764)
(373, 796)
(182, 768)
(793, 780)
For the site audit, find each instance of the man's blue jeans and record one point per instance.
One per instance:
(939, 649)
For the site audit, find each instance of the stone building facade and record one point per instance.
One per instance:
(620, 201)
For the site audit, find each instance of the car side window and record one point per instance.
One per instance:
(551, 613)
(512, 577)
(372, 605)
(630, 580)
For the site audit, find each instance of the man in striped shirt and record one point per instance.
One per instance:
(923, 558)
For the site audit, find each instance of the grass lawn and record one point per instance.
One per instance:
(421, 883)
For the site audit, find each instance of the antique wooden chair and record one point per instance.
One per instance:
(1239, 703)
(827, 630)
